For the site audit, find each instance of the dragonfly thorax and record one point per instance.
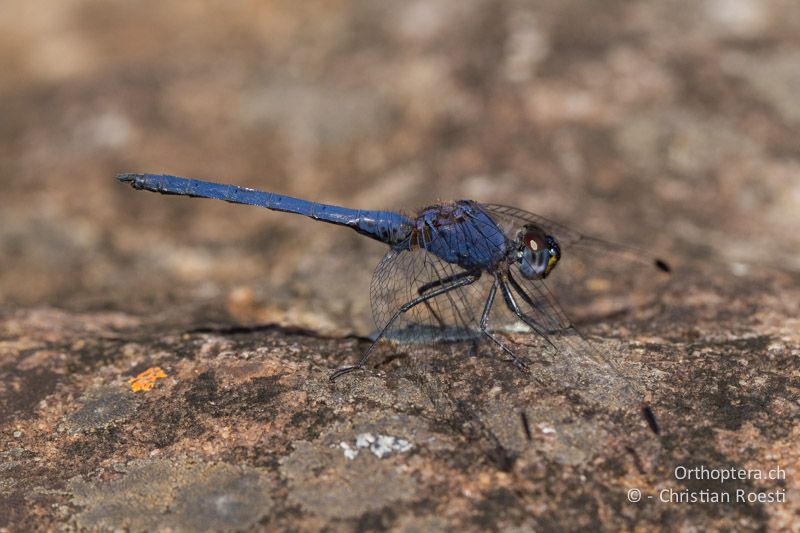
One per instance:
(461, 233)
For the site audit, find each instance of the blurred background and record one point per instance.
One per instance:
(673, 125)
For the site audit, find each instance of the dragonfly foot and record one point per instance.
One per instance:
(344, 370)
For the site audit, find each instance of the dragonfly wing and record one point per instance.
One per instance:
(512, 220)
(404, 275)
(575, 360)
(595, 278)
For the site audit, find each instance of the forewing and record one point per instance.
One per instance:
(512, 219)
(595, 278)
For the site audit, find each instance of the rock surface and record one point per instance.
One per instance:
(670, 126)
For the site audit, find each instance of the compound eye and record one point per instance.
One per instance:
(534, 239)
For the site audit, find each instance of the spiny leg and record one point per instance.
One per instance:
(404, 308)
(438, 283)
(456, 308)
(519, 363)
(443, 281)
(527, 298)
(530, 322)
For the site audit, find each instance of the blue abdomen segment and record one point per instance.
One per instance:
(385, 226)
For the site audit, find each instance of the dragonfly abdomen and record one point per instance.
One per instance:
(385, 226)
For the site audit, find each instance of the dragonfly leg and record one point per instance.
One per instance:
(484, 324)
(564, 325)
(463, 282)
(437, 283)
(531, 323)
(443, 281)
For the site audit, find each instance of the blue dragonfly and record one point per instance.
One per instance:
(446, 267)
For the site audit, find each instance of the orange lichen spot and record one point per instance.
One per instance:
(147, 379)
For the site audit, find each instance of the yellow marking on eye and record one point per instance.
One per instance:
(551, 262)
(147, 379)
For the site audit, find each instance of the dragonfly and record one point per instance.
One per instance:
(453, 271)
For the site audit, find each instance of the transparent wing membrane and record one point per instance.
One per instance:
(594, 278)
(403, 276)
(512, 218)
(571, 356)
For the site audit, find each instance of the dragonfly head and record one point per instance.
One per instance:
(538, 252)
